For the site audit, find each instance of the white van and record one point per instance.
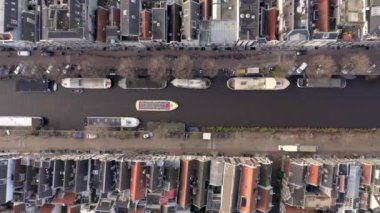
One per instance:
(301, 68)
(23, 53)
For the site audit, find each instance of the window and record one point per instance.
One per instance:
(243, 201)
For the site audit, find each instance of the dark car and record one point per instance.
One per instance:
(47, 53)
(300, 52)
(5, 72)
(78, 135)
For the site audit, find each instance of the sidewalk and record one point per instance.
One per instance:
(357, 142)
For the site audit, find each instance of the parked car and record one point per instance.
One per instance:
(23, 53)
(300, 52)
(148, 135)
(18, 69)
(78, 135)
(91, 136)
(47, 53)
(301, 68)
(4, 72)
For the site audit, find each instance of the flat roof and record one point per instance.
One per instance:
(248, 19)
(231, 177)
(159, 24)
(130, 17)
(216, 172)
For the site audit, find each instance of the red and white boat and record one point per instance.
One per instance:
(155, 105)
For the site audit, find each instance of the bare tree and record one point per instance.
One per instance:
(321, 66)
(210, 68)
(360, 62)
(157, 68)
(286, 65)
(183, 67)
(88, 69)
(127, 68)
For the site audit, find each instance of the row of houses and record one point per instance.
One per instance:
(135, 183)
(190, 21)
(204, 21)
(330, 185)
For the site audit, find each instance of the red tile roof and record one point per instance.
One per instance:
(145, 25)
(290, 209)
(248, 183)
(323, 18)
(184, 189)
(364, 201)
(67, 199)
(313, 178)
(265, 202)
(114, 17)
(206, 9)
(366, 174)
(74, 209)
(138, 182)
(101, 23)
(272, 24)
(342, 183)
(46, 208)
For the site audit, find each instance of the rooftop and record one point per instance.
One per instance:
(249, 19)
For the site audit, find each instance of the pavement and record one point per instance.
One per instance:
(342, 142)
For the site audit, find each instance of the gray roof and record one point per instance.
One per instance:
(297, 172)
(76, 13)
(104, 205)
(154, 181)
(45, 181)
(376, 176)
(8, 15)
(231, 177)
(325, 36)
(296, 196)
(249, 20)
(130, 17)
(353, 184)
(174, 22)
(228, 10)
(58, 173)
(124, 179)
(159, 24)
(190, 19)
(171, 174)
(153, 201)
(217, 31)
(328, 174)
(213, 200)
(374, 18)
(59, 26)
(3, 168)
(216, 173)
(3, 193)
(31, 172)
(30, 26)
(298, 35)
(69, 174)
(202, 176)
(106, 173)
(265, 174)
(81, 175)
